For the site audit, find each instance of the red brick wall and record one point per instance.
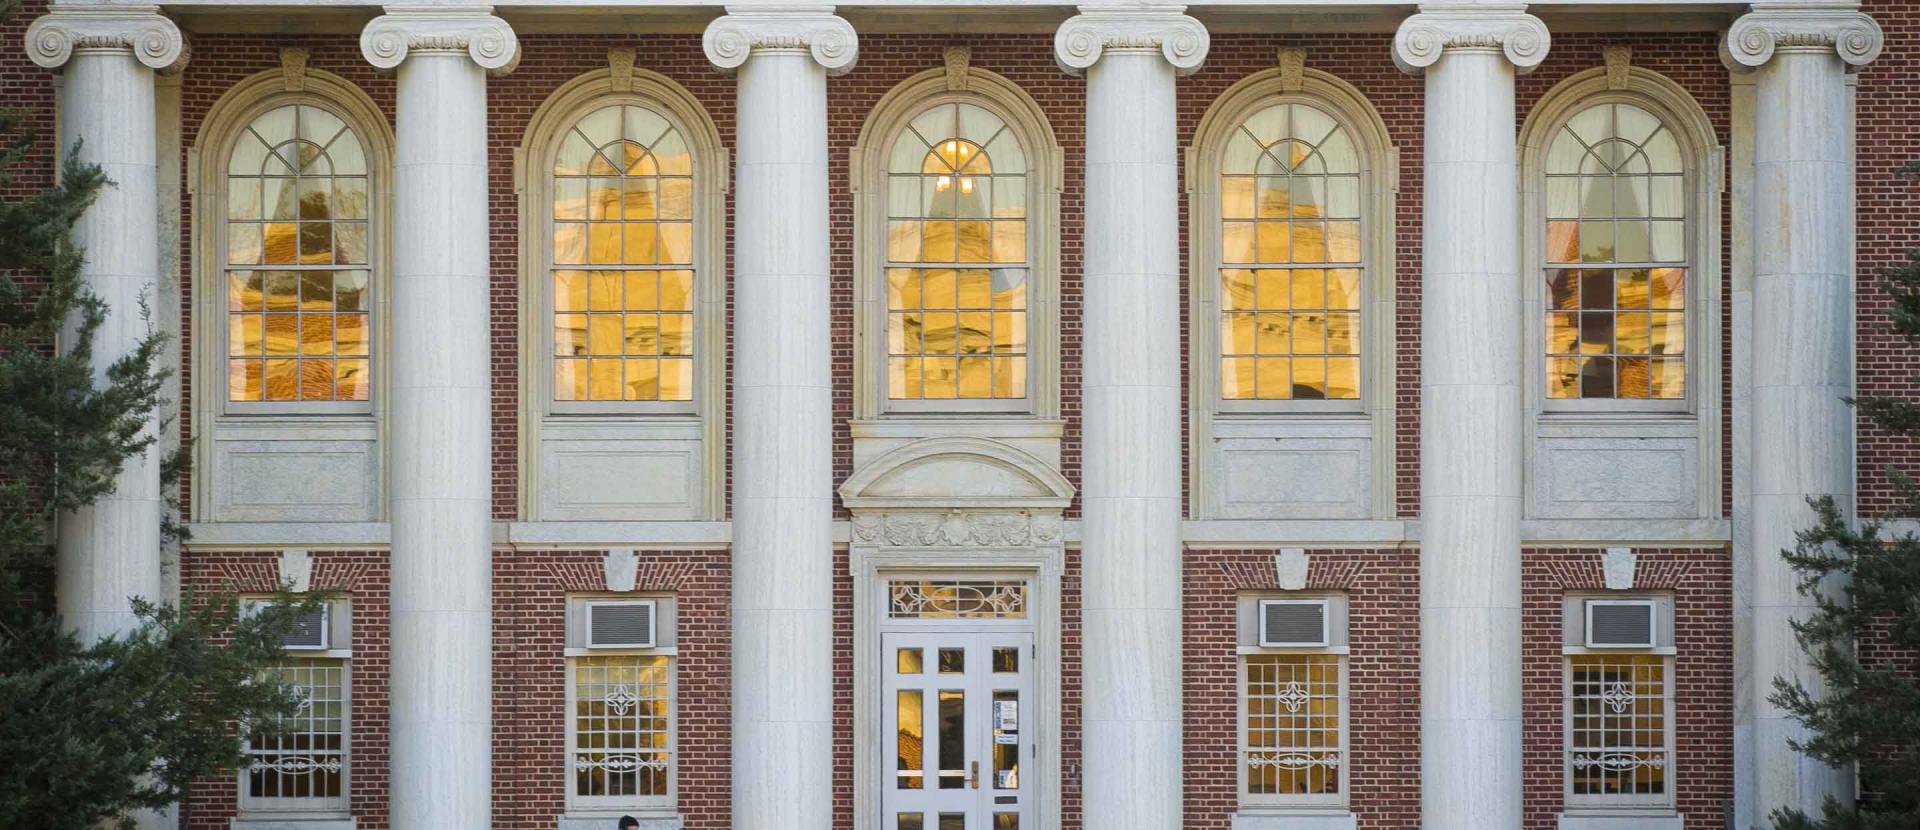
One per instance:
(1888, 225)
(1383, 623)
(1701, 582)
(530, 589)
(362, 578)
(218, 62)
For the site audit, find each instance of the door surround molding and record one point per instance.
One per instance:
(871, 566)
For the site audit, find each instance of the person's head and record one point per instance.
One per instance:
(629, 823)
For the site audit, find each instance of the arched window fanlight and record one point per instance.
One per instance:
(957, 260)
(297, 272)
(622, 264)
(1616, 258)
(1290, 259)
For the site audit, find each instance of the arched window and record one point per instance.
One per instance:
(297, 264)
(1290, 216)
(289, 302)
(622, 264)
(1621, 179)
(1290, 258)
(622, 335)
(957, 261)
(956, 184)
(1615, 296)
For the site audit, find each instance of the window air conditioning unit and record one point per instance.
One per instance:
(1293, 623)
(1620, 623)
(620, 624)
(309, 632)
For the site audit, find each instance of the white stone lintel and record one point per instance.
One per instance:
(1751, 41)
(152, 37)
(390, 38)
(1424, 37)
(1079, 42)
(744, 30)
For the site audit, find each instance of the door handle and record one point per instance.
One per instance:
(973, 777)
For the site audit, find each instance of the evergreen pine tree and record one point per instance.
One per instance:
(1868, 714)
(91, 732)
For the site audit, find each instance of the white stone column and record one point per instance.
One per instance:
(1130, 386)
(782, 412)
(110, 550)
(440, 438)
(1802, 361)
(1470, 410)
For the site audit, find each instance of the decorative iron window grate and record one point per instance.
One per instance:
(305, 756)
(1617, 742)
(930, 599)
(1293, 725)
(622, 719)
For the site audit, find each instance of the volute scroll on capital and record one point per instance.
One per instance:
(1751, 41)
(489, 41)
(734, 37)
(1079, 42)
(1424, 37)
(153, 38)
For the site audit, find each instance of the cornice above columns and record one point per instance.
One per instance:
(489, 41)
(1079, 42)
(1424, 37)
(1750, 42)
(152, 38)
(743, 30)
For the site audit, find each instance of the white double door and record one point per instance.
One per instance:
(961, 744)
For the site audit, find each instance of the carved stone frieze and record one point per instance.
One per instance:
(1079, 42)
(731, 39)
(958, 528)
(1424, 37)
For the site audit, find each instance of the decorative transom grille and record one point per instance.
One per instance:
(305, 755)
(297, 260)
(1617, 725)
(622, 726)
(1616, 258)
(931, 599)
(1293, 724)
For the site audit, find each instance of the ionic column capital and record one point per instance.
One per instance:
(1424, 37)
(1079, 42)
(152, 38)
(489, 41)
(1751, 41)
(744, 30)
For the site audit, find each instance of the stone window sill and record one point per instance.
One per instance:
(1302, 819)
(1621, 820)
(294, 824)
(607, 822)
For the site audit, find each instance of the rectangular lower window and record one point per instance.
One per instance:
(620, 730)
(302, 764)
(1293, 702)
(1292, 746)
(1619, 741)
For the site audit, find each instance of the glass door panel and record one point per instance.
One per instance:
(957, 710)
